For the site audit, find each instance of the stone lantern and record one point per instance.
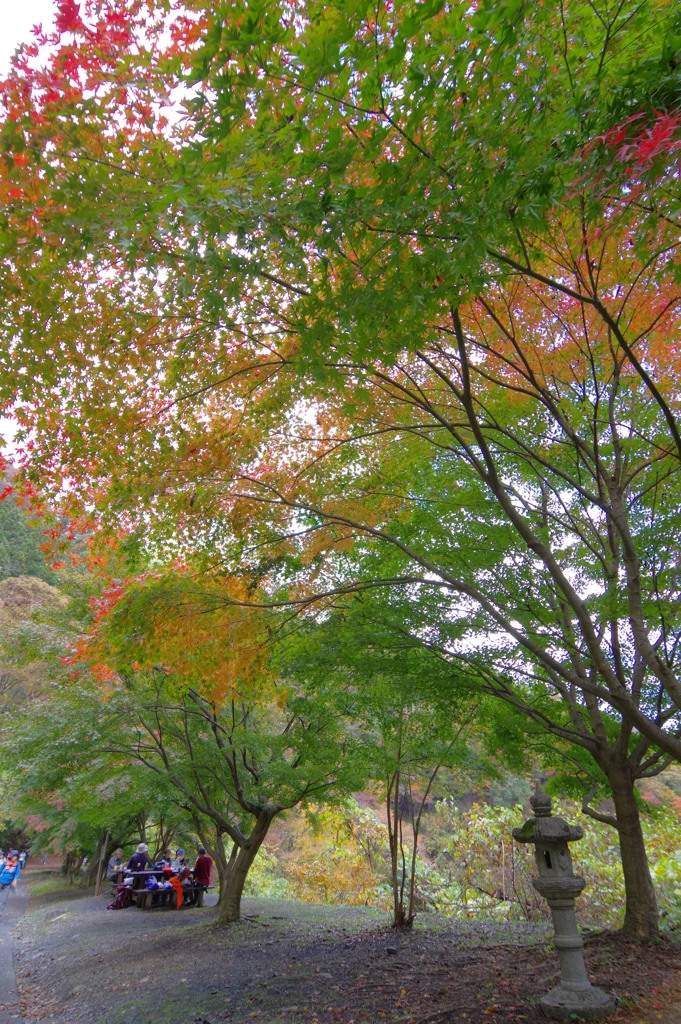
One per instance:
(559, 887)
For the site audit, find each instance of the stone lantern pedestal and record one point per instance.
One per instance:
(560, 888)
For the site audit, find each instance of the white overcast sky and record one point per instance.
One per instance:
(17, 17)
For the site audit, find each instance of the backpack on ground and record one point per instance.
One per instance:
(123, 898)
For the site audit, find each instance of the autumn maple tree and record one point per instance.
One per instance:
(535, 352)
(195, 702)
(401, 279)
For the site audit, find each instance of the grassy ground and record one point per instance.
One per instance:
(305, 964)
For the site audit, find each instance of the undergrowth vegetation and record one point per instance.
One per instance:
(470, 867)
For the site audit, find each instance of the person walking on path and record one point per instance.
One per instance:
(8, 877)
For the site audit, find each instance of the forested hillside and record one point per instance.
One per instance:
(20, 537)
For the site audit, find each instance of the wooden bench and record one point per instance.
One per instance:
(145, 899)
(192, 896)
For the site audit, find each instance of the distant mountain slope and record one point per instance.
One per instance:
(21, 595)
(23, 675)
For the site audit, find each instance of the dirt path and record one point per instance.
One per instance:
(10, 1012)
(302, 964)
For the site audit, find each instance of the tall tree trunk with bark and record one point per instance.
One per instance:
(230, 901)
(641, 915)
(400, 919)
(75, 866)
(217, 852)
(224, 865)
(93, 865)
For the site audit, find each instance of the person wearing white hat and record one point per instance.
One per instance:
(139, 859)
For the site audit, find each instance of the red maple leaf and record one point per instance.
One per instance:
(663, 137)
(68, 16)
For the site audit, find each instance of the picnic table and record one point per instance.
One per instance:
(140, 877)
(145, 899)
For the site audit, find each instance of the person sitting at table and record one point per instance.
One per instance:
(180, 863)
(139, 859)
(114, 869)
(203, 867)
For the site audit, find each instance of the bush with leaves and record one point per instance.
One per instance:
(336, 854)
(264, 878)
(493, 874)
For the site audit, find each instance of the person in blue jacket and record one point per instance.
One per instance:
(8, 877)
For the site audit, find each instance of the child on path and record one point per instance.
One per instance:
(8, 877)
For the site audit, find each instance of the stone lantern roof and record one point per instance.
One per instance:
(545, 827)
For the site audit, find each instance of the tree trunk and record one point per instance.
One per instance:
(400, 916)
(75, 866)
(142, 826)
(217, 852)
(412, 879)
(640, 918)
(93, 868)
(224, 865)
(230, 898)
(164, 837)
(392, 811)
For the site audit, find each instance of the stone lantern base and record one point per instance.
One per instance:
(585, 1001)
